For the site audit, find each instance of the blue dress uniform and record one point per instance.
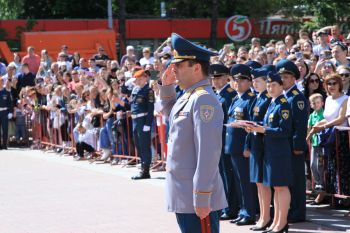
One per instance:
(277, 170)
(5, 109)
(225, 96)
(142, 108)
(194, 146)
(255, 142)
(299, 109)
(234, 145)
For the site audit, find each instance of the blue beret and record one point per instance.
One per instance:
(186, 50)
(218, 70)
(285, 66)
(269, 67)
(274, 77)
(253, 64)
(260, 72)
(241, 71)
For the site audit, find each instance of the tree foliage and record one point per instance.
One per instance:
(10, 9)
(326, 12)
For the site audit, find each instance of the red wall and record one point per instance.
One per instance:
(157, 28)
(135, 29)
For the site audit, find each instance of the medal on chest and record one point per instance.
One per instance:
(239, 114)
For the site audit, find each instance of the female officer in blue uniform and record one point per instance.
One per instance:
(255, 145)
(277, 170)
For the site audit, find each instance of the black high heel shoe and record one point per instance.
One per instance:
(256, 228)
(284, 229)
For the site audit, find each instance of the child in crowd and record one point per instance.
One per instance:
(85, 142)
(316, 164)
(20, 122)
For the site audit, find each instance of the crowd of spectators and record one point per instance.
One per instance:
(88, 87)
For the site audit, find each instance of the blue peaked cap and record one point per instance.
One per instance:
(260, 72)
(241, 71)
(274, 77)
(253, 64)
(218, 70)
(285, 66)
(269, 67)
(186, 50)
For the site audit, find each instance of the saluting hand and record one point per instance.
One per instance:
(168, 76)
(202, 212)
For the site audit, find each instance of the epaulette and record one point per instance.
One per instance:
(267, 95)
(283, 100)
(251, 94)
(295, 92)
(200, 91)
(230, 90)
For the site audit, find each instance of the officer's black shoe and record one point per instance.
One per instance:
(144, 174)
(0, 147)
(256, 228)
(225, 216)
(245, 221)
(4, 147)
(236, 219)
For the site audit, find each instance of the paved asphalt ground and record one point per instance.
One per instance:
(50, 193)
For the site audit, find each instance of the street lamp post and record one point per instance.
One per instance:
(110, 19)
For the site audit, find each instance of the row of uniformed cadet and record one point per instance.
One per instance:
(248, 150)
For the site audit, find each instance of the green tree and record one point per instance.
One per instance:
(10, 9)
(325, 12)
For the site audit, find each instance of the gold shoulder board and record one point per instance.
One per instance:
(200, 91)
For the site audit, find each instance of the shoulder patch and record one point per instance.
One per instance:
(251, 94)
(267, 95)
(230, 90)
(200, 91)
(206, 113)
(295, 92)
(283, 100)
(301, 104)
(285, 114)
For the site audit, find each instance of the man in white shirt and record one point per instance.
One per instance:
(146, 59)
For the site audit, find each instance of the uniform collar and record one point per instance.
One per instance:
(289, 90)
(261, 94)
(222, 89)
(204, 82)
(244, 94)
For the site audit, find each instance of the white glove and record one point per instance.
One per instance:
(146, 128)
(9, 116)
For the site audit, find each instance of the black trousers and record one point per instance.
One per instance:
(3, 127)
(82, 146)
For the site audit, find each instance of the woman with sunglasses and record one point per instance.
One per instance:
(335, 115)
(344, 73)
(313, 84)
